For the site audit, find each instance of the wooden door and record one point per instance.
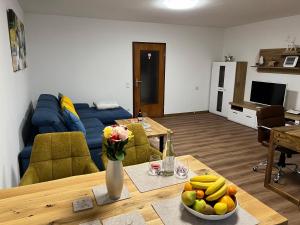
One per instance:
(149, 78)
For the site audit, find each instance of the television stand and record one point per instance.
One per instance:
(245, 113)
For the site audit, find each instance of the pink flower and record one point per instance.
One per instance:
(122, 132)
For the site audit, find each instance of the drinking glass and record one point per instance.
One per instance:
(154, 165)
(182, 169)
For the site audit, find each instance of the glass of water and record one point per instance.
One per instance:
(182, 169)
(154, 165)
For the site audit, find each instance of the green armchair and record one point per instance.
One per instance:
(138, 149)
(58, 155)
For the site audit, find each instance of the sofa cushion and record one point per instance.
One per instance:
(94, 140)
(48, 119)
(73, 122)
(92, 122)
(107, 116)
(48, 97)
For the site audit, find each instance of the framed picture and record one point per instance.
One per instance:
(17, 41)
(290, 61)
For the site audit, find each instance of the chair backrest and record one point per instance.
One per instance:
(269, 116)
(59, 155)
(137, 149)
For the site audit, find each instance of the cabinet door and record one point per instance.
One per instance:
(222, 87)
(214, 83)
(228, 89)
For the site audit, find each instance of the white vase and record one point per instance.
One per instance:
(114, 179)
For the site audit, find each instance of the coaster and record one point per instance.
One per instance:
(93, 222)
(102, 197)
(180, 216)
(83, 204)
(133, 218)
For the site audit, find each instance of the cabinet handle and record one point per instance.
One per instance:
(249, 116)
(235, 112)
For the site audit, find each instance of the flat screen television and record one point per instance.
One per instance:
(267, 93)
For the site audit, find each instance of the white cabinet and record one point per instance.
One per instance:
(243, 116)
(227, 85)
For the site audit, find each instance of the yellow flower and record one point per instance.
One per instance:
(107, 132)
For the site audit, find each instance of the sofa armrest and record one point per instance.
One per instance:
(90, 168)
(81, 106)
(30, 177)
(154, 151)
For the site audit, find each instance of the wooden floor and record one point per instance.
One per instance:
(230, 149)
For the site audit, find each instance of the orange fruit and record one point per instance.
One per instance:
(199, 194)
(229, 202)
(231, 190)
(188, 186)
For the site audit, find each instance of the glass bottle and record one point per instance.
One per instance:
(168, 156)
(140, 116)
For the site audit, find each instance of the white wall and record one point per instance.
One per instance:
(90, 59)
(14, 98)
(244, 42)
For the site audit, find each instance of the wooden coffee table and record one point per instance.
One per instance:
(155, 129)
(51, 202)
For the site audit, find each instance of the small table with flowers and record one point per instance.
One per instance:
(152, 128)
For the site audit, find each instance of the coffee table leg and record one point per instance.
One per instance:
(161, 143)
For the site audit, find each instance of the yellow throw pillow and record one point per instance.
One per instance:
(66, 99)
(67, 103)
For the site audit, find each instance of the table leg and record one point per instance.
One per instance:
(161, 143)
(271, 150)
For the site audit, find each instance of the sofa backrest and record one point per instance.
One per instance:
(47, 116)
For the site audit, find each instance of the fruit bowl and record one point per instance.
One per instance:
(210, 217)
(209, 197)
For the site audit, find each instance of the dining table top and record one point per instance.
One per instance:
(50, 203)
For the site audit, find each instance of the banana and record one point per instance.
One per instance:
(205, 178)
(215, 186)
(218, 194)
(201, 185)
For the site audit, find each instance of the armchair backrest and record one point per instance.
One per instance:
(269, 116)
(137, 149)
(59, 155)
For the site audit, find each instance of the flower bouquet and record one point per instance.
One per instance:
(116, 138)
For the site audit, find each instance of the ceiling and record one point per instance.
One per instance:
(216, 13)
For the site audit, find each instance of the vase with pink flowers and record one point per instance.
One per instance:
(116, 137)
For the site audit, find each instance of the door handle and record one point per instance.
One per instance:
(137, 82)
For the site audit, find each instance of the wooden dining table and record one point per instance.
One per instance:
(288, 137)
(50, 203)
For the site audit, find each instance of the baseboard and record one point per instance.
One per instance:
(186, 113)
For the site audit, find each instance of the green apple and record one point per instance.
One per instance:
(188, 197)
(199, 205)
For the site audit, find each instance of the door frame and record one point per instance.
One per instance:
(163, 78)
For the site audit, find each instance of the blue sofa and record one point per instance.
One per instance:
(47, 118)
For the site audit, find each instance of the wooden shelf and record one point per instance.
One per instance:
(278, 55)
(284, 70)
(291, 54)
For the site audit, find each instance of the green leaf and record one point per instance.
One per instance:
(120, 156)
